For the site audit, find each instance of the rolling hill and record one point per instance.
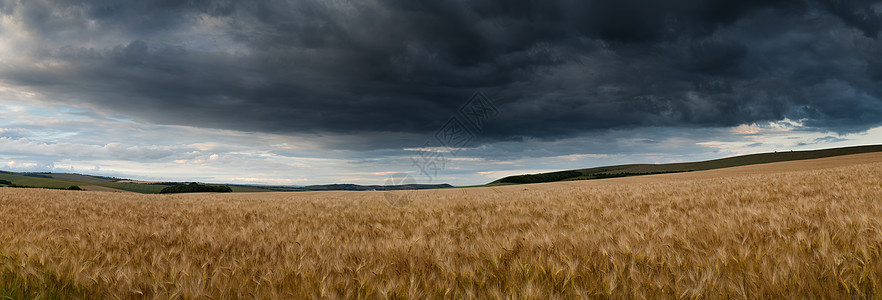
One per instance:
(91, 182)
(101, 183)
(355, 187)
(649, 169)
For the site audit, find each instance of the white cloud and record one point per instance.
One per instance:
(435, 149)
(770, 127)
(577, 157)
(30, 165)
(112, 150)
(65, 139)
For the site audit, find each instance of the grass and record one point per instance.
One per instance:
(802, 233)
(14, 285)
(133, 187)
(60, 183)
(11, 177)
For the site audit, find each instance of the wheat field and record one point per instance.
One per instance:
(794, 229)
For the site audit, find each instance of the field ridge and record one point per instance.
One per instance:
(797, 229)
(652, 169)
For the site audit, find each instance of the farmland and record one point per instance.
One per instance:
(807, 228)
(649, 169)
(64, 180)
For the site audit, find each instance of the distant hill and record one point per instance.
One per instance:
(64, 176)
(648, 169)
(355, 187)
(65, 180)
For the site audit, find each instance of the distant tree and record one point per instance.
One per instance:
(196, 188)
(537, 178)
(74, 188)
(6, 182)
(37, 175)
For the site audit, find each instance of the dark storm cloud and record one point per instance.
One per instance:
(395, 68)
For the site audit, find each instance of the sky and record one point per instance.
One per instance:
(461, 92)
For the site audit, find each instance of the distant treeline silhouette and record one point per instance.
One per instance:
(196, 188)
(36, 175)
(626, 174)
(564, 175)
(13, 185)
(537, 178)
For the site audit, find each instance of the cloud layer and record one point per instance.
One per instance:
(392, 70)
(330, 91)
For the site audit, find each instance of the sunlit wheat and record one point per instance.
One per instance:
(803, 233)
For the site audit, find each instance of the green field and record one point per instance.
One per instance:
(11, 177)
(62, 183)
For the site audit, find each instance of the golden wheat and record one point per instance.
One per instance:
(798, 233)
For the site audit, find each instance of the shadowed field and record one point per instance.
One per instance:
(804, 228)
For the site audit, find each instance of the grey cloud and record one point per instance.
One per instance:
(829, 139)
(858, 14)
(390, 72)
(24, 146)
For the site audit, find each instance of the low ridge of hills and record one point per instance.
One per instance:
(649, 169)
(102, 183)
(92, 182)
(355, 187)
